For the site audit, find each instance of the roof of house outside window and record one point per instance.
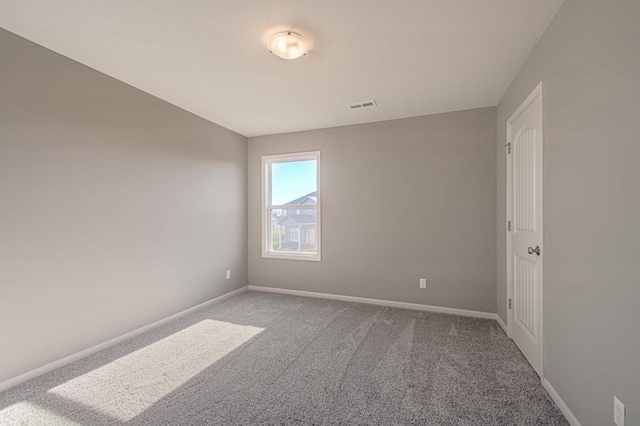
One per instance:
(310, 199)
(297, 220)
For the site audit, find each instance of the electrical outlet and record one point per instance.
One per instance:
(423, 283)
(618, 412)
(229, 274)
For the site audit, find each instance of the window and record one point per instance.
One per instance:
(291, 181)
(295, 235)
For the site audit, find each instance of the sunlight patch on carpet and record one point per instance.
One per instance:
(130, 385)
(26, 413)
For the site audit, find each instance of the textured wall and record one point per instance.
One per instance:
(117, 209)
(589, 60)
(402, 199)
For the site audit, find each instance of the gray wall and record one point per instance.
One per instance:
(117, 209)
(402, 199)
(589, 59)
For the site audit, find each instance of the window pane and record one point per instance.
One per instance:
(292, 180)
(293, 232)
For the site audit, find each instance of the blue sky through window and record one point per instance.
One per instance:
(292, 180)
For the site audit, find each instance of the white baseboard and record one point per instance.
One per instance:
(7, 384)
(390, 303)
(502, 324)
(573, 421)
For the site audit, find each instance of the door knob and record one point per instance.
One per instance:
(532, 250)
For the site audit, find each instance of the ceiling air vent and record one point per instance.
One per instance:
(366, 104)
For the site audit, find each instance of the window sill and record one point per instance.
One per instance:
(292, 256)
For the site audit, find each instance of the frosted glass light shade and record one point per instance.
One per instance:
(288, 45)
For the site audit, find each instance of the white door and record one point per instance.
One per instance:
(525, 250)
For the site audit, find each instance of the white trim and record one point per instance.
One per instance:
(380, 302)
(297, 207)
(265, 173)
(532, 96)
(537, 92)
(573, 421)
(288, 255)
(502, 324)
(15, 381)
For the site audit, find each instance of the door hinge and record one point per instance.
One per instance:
(509, 303)
(508, 148)
(509, 225)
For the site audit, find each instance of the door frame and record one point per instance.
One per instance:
(537, 92)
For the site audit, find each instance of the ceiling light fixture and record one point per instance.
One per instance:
(288, 45)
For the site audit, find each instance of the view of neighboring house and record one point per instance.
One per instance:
(296, 227)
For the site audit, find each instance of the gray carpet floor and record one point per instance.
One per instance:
(260, 358)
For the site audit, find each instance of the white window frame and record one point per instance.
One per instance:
(267, 247)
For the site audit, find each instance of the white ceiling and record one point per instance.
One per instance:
(414, 57)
